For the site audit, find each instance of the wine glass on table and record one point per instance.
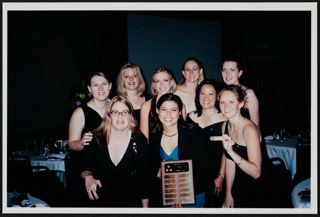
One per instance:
(282, 135)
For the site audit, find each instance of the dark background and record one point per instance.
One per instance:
(50, 53)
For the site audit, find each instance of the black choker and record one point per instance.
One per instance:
(170, 135)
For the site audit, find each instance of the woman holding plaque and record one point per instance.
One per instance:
(209, 119)
(241, 142)
(115, 163)
(175, 141)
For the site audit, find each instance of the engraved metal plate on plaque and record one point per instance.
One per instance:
(177, 182)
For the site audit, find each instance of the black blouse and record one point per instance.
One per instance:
(126, 184)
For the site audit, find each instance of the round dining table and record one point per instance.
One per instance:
(284, 149)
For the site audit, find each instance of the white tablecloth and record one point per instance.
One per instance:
(296, 201)
(286, 150)
(34, 201)
(52, 164)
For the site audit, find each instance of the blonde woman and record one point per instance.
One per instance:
(131, 85)
(115, 163)
(162, 82)
(193, 74)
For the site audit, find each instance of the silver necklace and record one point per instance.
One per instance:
(170, 135)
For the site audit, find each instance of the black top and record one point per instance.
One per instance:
(126, 184)
(74, 159)
(153, 116)
(92, 119)
(136, 112)
(215, 148)
(190, 146)
(246, 190)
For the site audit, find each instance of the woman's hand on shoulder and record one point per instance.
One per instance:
(86, 138)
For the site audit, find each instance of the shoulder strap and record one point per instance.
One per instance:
(226, 128)
(153, 106)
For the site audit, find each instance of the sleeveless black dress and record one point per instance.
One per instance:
(247, 192)
(215, 151)
(75, 185)
(92, 119)
(136, 112)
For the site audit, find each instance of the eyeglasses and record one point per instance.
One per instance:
(117, 113)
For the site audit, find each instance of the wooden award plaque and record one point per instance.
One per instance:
(177, 182)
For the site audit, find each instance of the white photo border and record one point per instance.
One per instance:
(168, 6)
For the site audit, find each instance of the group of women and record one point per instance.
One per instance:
(123, 140)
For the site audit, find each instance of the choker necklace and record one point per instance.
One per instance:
(170, 135)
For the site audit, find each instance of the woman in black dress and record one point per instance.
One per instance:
(209, 119)
(115, 163)
(241, 142)
(83, 121)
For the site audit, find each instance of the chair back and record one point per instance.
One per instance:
(303, 161)
(19, 173)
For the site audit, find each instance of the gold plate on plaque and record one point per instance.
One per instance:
(177, 182)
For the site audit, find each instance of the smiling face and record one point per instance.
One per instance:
(169, 114)
(192, 71)
(229, 104)
(99, 87)
(161, 83)
(131, 79)
(120, 116)
(230, 72)
(207, 96)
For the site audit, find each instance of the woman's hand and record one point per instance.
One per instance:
(228, 202)
(227, 142)
(91, 187)
(159, 173)
(86, 138)
(177, 206)
(218, 185)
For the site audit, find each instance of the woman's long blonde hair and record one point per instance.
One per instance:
(105, 126)
(121, 89)
(173, 84)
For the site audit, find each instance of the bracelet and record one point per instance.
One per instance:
(220, 174)
(86, 173)
(239, 162)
